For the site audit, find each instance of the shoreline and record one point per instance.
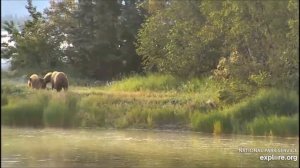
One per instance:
(266, 113)
(185, 131)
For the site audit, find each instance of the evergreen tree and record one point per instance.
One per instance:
(130, 21)
(95, 39)
(34, 48)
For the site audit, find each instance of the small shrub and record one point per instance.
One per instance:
(235, 91)
(261, 79)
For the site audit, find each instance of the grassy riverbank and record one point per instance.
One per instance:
(155, 102)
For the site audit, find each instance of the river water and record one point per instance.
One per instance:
(80, 148)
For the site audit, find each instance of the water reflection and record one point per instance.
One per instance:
(135, 148)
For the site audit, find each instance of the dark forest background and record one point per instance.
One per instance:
(251, 41)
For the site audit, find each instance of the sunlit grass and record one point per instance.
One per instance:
(152, 82)
(183, 106)
(274, 125)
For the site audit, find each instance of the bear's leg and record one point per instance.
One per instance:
(52, 84)
(65, 87)
(58, 89)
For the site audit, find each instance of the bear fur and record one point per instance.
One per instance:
(36, 82)
(58, 80)
(48, 78)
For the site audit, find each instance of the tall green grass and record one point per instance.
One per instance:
(270, 110)
(91, 112)
(265, 103)
(25, 113)
(213, 122)
(172, 104)
(151, 82)
(274, 125)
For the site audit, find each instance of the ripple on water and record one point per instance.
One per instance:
(10, 161)
(44, 160)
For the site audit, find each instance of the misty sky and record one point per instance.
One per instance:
(17, 7)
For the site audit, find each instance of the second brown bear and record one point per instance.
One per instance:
(36, 82)
(58, 80)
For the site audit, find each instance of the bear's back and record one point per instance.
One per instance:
(34, 81)
(60, 80)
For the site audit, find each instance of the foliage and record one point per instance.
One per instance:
(152, 108)
(241, 40)
(99, 35)
(87, 37)
(272, 111)
(34, 45)
(232, 40)
(168, 41)
(91, 112)
(214, 122)
(24, 113)
(274, 125)
(257, 37)
(235, 91)
(150, 82)
(220, 66)
(279, 102)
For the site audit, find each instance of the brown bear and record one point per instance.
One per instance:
(36, 82)
(48, 78)
(58, 80)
